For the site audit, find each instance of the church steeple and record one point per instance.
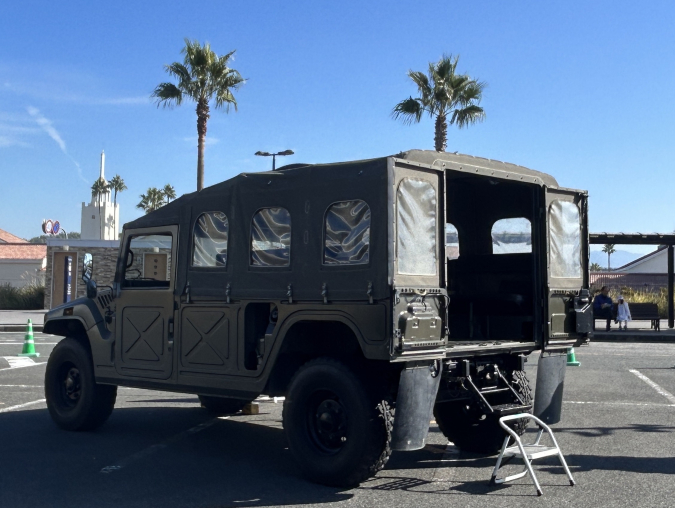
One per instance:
(102, 177)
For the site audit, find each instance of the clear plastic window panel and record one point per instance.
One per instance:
(271, 237)
(347, 234)
(209, 240)
(451, 242)
(565, 247)
(416, 227)
(512, 236)
(149, 258)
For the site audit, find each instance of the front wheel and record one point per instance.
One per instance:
(74, 400)
(339, 435)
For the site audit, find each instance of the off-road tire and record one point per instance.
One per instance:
(360, 445)
(74, 400)
(469, 433)
(221, 405)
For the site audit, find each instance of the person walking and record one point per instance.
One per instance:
(623, 314)
(602, 307)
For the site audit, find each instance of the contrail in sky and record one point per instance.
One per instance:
(47, 126)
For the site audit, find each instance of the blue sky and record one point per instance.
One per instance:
(579, 89)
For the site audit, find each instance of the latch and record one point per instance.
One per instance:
(228, 292)
(187, 292)
(324, 292)
(289, 293)
(369, 292)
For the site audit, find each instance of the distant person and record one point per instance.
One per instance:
(623, 313)
(602, 307)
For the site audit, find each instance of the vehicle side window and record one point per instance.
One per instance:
(451, 241)
(148, 261)
(271, 237)
(565, 239)
(209, 240)
(347, 233)
(512, 236)
(416, 227)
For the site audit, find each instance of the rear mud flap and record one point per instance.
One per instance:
(417, 391)
(548, 396)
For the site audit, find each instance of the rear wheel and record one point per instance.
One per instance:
(221, 405)
(339, 435)
(74, 400)
(470, 430)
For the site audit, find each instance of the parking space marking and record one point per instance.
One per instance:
(20, 365)
(656, 387)
(35, 342)
(605, 403)
(443, 471)
(20, 406)
(157, 447)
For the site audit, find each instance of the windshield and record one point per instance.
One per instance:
(565, 238)
(416, 227)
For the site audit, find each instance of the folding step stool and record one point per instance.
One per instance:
(528, 452)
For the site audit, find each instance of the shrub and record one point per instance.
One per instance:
(28, 297)
(659, 296)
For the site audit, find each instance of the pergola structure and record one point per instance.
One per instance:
(645, 239)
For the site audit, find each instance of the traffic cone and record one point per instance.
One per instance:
(29, 344)
(572, 358)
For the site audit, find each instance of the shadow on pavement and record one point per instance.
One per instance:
(608, 431)
(230, 463)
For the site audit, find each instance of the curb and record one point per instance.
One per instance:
(637, 339)
(19, 328)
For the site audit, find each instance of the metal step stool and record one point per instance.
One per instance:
(528, 452)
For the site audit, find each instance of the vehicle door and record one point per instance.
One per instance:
(145, 303)
(207, 347)
(568, 302)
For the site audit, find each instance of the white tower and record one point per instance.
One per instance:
(100, 218)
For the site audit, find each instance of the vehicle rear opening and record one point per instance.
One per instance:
(493, 246)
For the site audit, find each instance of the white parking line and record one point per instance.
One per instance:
(22, 366)
(603, 403)
(656, 387)
(20, 406)
(37, 343)
(157, 447)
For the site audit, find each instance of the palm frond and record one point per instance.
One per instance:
(168, 94)
(467, 116)
(409, 110)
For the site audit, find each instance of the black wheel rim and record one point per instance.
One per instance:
(327, 422)
(70, 385)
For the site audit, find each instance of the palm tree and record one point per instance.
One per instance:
(595, 267)
(444, 95)
(151, 200)
(609, 249)
(99, 188)
(202, 76)
(169, 192)
(116, 185)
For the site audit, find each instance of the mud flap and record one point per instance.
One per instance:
(548, 396)
(417, 391)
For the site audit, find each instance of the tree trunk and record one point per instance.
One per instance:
(202, 118)
(441, 133)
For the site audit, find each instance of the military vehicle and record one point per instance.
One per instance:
(373, 295)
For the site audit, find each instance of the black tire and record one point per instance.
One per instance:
(221, 405)
(339, 435)
(74, 400)
(464, 427)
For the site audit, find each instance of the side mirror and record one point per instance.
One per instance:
(92, 292)
(87, 267)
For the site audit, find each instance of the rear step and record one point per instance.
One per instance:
(510, 409)
(500, 409)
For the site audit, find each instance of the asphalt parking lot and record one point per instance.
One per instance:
(162, 449)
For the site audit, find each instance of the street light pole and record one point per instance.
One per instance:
(274, 156)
